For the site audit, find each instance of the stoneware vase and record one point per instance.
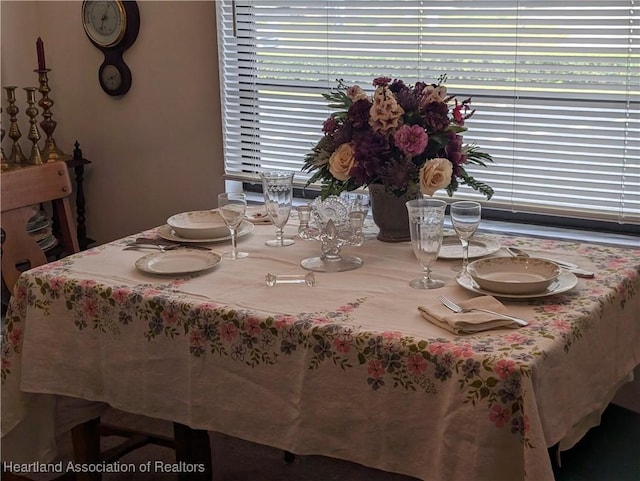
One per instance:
(390, 213)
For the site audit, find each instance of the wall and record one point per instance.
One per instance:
(154, 152)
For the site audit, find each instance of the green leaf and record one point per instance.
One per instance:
(476, 185)
(491, 382)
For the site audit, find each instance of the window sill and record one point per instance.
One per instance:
(531, 230)
(546, 232)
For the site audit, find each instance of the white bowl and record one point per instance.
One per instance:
(198, 224)
(514, 275)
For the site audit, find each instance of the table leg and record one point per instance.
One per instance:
(86, 447)
(194, 450)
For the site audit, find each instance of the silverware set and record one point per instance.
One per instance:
(573, 268)
(161, 245)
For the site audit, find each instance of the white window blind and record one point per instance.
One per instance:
(556, 86)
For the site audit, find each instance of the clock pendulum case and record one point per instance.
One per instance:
(112, 26)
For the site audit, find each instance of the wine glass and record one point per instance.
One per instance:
(426, 219)
(278, 192)
(465, 217)
(232, 206)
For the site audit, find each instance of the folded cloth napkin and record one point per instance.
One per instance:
(468, 322)
(257, 215)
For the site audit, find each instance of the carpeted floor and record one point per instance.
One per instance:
(609, 452)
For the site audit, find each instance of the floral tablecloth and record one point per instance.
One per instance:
(347, 369)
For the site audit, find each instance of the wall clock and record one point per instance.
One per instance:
(112, 26)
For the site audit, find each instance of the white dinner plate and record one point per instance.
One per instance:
(48, 242)
(42, 234)
(257, 214)
(563, 283)
(38, 224)
(167, 233)
(478, 247)
(179, 261)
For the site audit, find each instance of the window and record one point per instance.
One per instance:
(555, 86)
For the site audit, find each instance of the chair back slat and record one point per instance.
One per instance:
(34, 184)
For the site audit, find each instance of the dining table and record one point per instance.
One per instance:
(346, 368)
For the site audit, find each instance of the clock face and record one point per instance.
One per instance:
(104, 21)
(111, 78)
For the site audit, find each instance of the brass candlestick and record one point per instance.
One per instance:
(50, 152)
(34, 134)
(16, 156)
(3, 159)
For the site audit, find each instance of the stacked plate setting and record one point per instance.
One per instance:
(39, 227)
(200, 226)
(194, 227)
(514, 275)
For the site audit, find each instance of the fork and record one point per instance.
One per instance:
(140, 244)
(456, 308)
(151, 246)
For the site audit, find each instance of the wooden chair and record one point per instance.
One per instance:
(22, 188)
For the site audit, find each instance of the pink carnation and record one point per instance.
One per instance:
(411, 140)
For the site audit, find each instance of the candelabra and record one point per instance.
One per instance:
(16, 156)
(3, 160)
(34, 134)
(50, 152)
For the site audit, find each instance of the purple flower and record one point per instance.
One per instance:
(435, 116)
(330, 125)
(371, 151)
(358, 114)
(343, 135)
(407, 99)
(454, 152)
(398, 173)
(381, 81)
(372, 146)
(397, 86)
(411, 140)
(420, 86)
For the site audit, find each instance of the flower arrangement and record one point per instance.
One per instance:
(402, 136)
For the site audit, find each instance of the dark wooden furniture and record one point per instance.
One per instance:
(77, 163)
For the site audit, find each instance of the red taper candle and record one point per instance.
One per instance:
(40, 49)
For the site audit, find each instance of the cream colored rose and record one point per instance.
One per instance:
(435, 174)
(341, 162)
